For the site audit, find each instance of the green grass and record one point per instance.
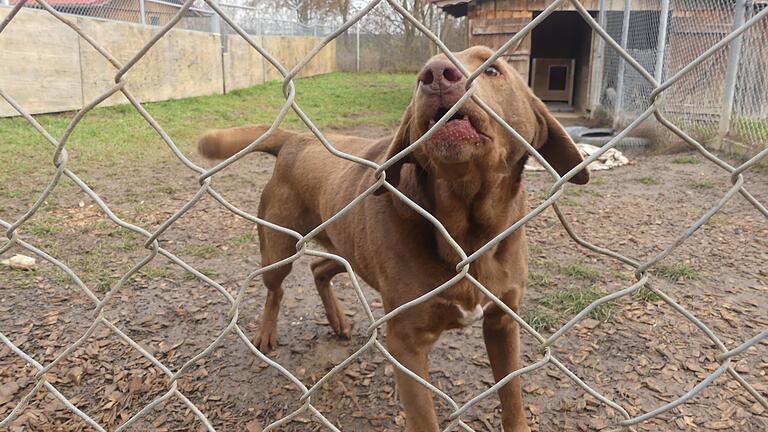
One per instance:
(119, 138)
(682, 160)
(599, 181)
(676, 272)
(619, 275)
(580, 191)
(127, 239)
(211, 274)
(155, 272)
(703, 185)
(92, 267)
(648, 180)
(244, 239)
(752, 130)
(647, 295)
(541, 318)
(41, 227)
(166, 189)
(568, 202)
(538, 280)
(205, 251)
(579, 271)
(571, 302)
(557, 307)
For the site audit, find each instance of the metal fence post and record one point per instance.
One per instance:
(597, 69)
(622, 64)
(732, 71)
(357, 43)
(142, 12)
(215, 21)
(661, 42)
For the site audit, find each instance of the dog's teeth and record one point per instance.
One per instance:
(466, 117)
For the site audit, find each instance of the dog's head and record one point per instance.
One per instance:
(472, 138)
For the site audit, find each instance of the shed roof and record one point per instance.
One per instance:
(457, 8)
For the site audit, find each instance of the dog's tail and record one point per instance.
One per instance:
(223, 143)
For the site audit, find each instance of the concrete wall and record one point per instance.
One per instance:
(46, 67)
(39, 64)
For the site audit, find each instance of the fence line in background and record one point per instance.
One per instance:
(644, 277)
(723, 101)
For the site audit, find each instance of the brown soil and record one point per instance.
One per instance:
(643, 356)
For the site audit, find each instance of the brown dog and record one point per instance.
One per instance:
(468, 175)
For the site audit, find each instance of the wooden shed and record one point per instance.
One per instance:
(557, 56)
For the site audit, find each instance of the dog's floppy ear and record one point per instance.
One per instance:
(401, 140)
(555, 145)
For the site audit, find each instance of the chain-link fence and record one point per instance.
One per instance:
(385, 42)
(199, 17)
(721, 101)
(548, 358)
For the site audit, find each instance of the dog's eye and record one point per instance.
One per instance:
(492, 71)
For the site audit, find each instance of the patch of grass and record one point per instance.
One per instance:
(541, 318)
(599, 181)
(537, 279)
(752, 130)
(207, 272)
(619, 275)
(92, 268)
(155, 272)
(647, 295)
(568, 202)
(205, 251)
(681, 160)
(574, 301)
(579, 271)
(534, 249)
(580, 191)
(119, 137)
(127, 238)
(244, 239)
(676, 272)
(703, 185)
(166, 189)
(648, 180)
(41, 227)
(717, 219)
(103, 224)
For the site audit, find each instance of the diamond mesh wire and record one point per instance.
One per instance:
(206, 176)
(697, 100)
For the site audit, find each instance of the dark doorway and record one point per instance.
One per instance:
(560, 51)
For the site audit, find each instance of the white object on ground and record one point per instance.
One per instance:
(20, 262)
(608, 160)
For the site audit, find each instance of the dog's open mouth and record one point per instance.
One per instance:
(459, 131)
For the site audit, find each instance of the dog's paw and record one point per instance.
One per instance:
(520, 427)
(342, 327)
(266, 340)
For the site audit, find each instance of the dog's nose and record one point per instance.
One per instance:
(441, 76)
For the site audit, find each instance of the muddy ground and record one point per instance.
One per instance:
(640, 352)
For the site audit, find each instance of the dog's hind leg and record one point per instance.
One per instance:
(266, 339)
(324, 270)
(275, 246)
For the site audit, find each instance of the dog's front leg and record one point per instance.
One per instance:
(502, 341)
(411, 348)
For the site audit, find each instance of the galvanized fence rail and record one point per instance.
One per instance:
(153, 238)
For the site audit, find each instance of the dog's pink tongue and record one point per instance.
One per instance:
(456, 131)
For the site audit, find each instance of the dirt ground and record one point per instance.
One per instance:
(640, 352)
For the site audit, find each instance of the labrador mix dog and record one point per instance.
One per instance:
(468, 175)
